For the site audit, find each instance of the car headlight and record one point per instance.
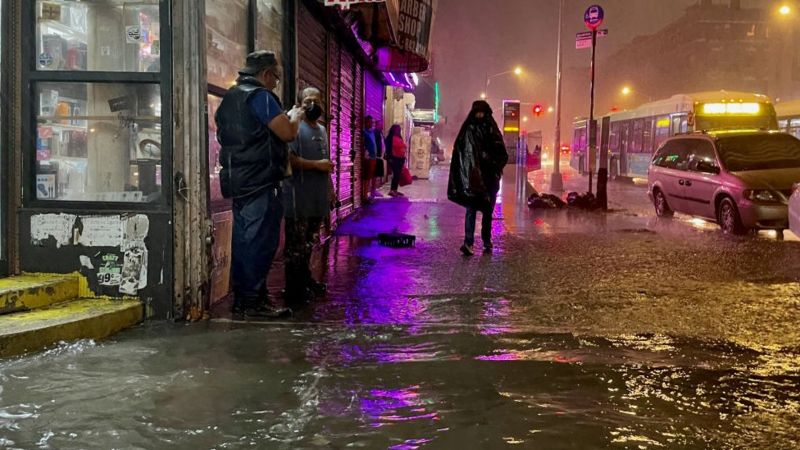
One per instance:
(763, 195)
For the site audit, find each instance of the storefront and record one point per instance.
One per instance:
(95, 143)
(109, 112)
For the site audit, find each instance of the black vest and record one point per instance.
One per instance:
(252, 157)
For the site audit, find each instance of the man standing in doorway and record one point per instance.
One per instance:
(307, 199)
(370, 159)
(253, 131)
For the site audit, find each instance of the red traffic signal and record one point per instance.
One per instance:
(538, 110)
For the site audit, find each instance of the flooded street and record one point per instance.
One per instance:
(582, 330)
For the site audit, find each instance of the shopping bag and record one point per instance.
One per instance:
(405, 177)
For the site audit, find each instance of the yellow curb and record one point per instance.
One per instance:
(33, 291)
(95, 318)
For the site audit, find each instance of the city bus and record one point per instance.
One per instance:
(789, 117)
(635, 134)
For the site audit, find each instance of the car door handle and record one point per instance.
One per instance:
(681, 182)
(688, 182)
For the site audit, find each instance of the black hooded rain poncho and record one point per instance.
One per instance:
(479, 156)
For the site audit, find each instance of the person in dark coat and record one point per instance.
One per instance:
(479, 156)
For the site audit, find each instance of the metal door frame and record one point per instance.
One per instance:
(4, 136)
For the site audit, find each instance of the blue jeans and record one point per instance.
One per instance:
(486, 225)
(256, 235)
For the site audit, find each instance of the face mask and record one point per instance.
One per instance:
(313, 112)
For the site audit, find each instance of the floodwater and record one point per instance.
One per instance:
(582, 330)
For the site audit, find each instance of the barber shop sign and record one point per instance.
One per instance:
(346, 3)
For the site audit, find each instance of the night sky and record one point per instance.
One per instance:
(473, 37)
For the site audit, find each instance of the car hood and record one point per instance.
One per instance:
(777, 179)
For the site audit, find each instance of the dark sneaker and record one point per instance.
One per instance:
(467, 250)
(487, 248)
(298, 299)
(317, 288)
(266, 312)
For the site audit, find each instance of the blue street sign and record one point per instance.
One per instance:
(593, 17)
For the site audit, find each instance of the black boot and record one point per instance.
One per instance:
(317, 288)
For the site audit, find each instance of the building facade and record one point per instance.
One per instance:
(108, 151)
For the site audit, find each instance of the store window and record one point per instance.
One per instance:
(226, 40)
(109, 35)
(269, 31)
(98, 142)
(214, 167)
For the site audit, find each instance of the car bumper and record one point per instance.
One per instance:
(765, 217)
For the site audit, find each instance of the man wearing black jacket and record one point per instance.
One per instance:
(253, 131)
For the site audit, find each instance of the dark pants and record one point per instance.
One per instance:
(300, 239)
(396, 164)
(256, 235)
(486, 225)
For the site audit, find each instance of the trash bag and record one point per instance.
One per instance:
(545, 201)
(585, 200)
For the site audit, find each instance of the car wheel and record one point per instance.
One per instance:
(661, 205)
(728, 217)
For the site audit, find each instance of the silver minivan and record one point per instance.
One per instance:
(742, 180)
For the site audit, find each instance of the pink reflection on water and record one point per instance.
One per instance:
(494, 317)
(394, 406)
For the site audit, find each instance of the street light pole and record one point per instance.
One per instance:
(556, 180)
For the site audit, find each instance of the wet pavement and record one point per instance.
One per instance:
(582, 330)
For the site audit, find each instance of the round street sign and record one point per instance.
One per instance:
(593, 17)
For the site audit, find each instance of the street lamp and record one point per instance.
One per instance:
(483, 95)
(785, 10)
(626, 91)
(550, 109)
(516, 71)
(525, 119)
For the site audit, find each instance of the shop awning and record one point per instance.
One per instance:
(395, 35)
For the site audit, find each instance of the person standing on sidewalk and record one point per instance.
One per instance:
(370, 159)
(253, 131)
(307, 198)
(479, 156)
(396, 155)
(380, 165)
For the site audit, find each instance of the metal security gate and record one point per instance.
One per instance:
(312, 51)
(346, 96)
(373, 93)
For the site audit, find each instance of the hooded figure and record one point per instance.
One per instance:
(479, 156)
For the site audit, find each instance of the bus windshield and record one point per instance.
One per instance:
(759, 152)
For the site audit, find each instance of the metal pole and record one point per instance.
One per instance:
(592, 127)
(486, 87)
(556, 180)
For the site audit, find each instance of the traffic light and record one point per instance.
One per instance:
(538, 110)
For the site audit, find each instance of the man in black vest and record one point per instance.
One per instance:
(253, 131)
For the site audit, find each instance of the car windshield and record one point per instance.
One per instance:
(759, 152)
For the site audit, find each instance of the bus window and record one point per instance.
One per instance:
(613, 138)
(794, 127)
(662, 129)
(647, 139)
(638, 135)
(624, 137)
